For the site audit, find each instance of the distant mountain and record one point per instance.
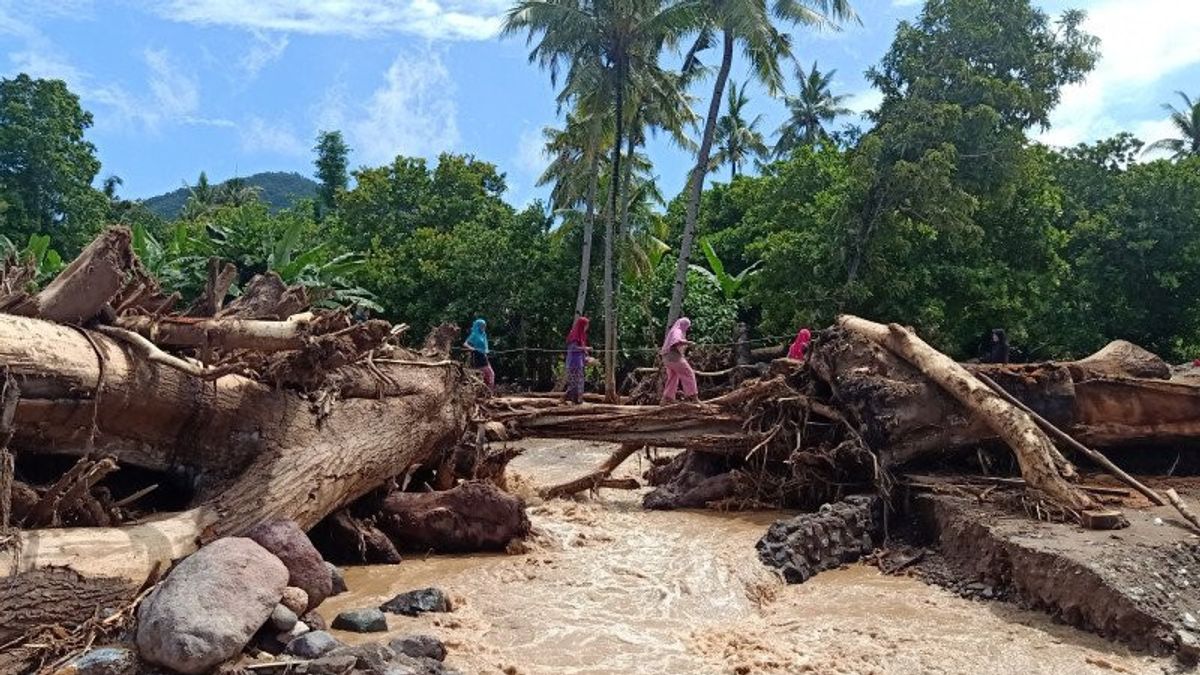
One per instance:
(278, 189)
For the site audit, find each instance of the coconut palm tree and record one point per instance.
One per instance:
(808, 112)
(575, 157)
(1187, 122)
(737, 140)
(746, 23)
(605, 46)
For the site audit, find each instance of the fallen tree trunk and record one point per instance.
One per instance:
(253, 334)
(1033, 449)
(82, 289)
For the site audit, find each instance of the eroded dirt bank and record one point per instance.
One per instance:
(609, 588)
(1139, 585)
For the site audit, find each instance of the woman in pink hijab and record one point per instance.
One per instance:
(679, 371)
(799, 345)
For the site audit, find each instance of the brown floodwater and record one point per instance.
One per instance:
(608, 588)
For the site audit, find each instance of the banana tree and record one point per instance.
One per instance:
(730, 284)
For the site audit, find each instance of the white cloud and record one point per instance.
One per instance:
(531, 154)
(1154, 130)
(449, 19)
(176, 94)
(411, 113)
(1142, 41)
(265, 50)
(864, 101)
(271, 137)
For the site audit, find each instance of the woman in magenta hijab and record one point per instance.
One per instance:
(800, 345)
(679, 371)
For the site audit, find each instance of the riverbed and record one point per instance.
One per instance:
(604, 587)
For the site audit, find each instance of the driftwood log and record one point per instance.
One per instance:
(313, 427)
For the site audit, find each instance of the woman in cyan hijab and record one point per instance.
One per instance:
(477, 346)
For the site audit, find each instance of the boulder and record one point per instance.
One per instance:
(331, 664)
(102, 661)
(210, 605)
(306, 568)
(295, 599)
(283, 619)
(370, 620)
(419, 646)
(407, 665)
(312, 645)
(370, 657)
(337, 578)
(417, 602)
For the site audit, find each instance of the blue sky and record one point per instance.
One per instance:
(234, 87)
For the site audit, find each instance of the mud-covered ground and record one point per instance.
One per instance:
(606, 587)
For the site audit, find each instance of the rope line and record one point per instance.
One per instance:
(548, 350)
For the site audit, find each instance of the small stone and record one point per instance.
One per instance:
(1158, 521)
(420, 646)
(298, 629)
(312, 645)
(283, 619)
(102, 661)
(339, 579)
(1189, 647)
(1189, 620)
(417, 602)
(368, 620)
(315, 621)
(295, 599)
(331, 664)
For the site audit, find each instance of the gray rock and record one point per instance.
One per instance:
(370, 658)
(283, 619)
(417, 602)
(306, 568)
(407, 665)
(300, 628)
(104, 661)
(295, 599)
(210, 605)
(419, 646)
(368, 620)
(338, 579)
(1189, 647)
(312, 645)
(331, 664)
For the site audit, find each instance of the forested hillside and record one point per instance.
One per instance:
(278, 189)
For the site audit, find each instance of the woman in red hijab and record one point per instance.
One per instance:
(800, 345)
(577, 356)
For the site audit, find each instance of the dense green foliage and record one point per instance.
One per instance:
(279, 189)
(46, 165)
(943, 214)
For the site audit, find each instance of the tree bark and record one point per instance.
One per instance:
(85, 286)
(614, 191)
(1033, 449)
(585, 258)
(696, 184)
(257, 335)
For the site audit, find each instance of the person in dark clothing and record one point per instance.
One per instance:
(998, 351)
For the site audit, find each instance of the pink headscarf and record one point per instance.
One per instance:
(677, 334)
(799, 345)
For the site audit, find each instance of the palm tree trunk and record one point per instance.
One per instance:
(585, 260)
(696, 185)
(610, 318)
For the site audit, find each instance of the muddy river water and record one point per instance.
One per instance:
(606, 587)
